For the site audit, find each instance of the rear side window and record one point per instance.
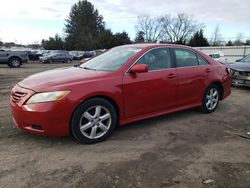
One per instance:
(201, 61)
(157, 59)
(185, 58)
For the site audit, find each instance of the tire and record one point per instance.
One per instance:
(14, 62)
(68, 61)
(211, 99)
(93, 121)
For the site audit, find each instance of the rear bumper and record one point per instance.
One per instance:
(227, 87)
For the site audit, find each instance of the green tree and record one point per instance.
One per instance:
(105, 40)
(140, 37)
(121, 39)
(229, 43)
(198, 39)
(109, 40)
(54, 43)
(83, 26)
(247, 42)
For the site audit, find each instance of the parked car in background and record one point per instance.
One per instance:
(56, 57)
(78, 55)
(89, 54)
(126, 84)
(84, 60)
(218, 56)
(240, 72)
(13, 58)
(35, 55)
(97, 53)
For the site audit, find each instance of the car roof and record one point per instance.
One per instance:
(155, 45)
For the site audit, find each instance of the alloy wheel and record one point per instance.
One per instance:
(212, 99)
(15, 63)
(95, 122)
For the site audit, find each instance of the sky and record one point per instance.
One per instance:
(30, 21)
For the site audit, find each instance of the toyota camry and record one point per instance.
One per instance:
(123, 85)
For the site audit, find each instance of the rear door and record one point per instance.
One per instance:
(152, 91)
(193, 73)
(3, 56)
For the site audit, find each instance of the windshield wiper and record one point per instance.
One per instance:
(87, 68)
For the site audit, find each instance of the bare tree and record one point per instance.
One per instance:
(239, 39)
(151, 27)
(179, 29)
(216, 37)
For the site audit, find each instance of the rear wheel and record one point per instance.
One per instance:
(211, 99)
(93, 121)
(15, 62)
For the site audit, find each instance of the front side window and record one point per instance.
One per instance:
(185, 58)
(157, 59)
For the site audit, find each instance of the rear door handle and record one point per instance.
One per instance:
(171, 76)
(208, 71)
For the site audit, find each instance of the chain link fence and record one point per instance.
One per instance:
(231, 53)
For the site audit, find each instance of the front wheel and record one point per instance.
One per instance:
(211, 99)
(93, 121)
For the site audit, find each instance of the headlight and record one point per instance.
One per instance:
(229, 71)
(48, 97)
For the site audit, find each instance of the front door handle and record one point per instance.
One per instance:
(171, 76)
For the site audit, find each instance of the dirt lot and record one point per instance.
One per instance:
(179, 150)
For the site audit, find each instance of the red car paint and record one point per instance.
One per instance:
(136, 97)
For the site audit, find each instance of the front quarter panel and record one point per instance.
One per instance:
(110, 87)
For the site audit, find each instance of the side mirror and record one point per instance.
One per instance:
(238, 60)
(140, 68)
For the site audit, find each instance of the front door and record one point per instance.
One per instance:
(152, 91)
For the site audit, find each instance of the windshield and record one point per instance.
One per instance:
(111, 60)
(246, 59)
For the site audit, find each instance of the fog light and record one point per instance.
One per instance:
(37, 127)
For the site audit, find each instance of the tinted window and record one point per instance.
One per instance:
(201, 61)
(185, 58)
(157, 59)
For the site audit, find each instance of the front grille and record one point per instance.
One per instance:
(240, 74)
(17, 96)
(244, 73)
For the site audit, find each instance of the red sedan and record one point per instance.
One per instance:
(125, 84)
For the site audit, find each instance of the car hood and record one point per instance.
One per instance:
(241, 66)
(60, 78)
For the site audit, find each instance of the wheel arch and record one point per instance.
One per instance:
(105, 97)
(220, 86)
(15, 57)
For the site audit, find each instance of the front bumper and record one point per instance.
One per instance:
(50, 119)
(240, 78)
(241, 82)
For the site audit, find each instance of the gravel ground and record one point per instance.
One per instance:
(178, 150)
